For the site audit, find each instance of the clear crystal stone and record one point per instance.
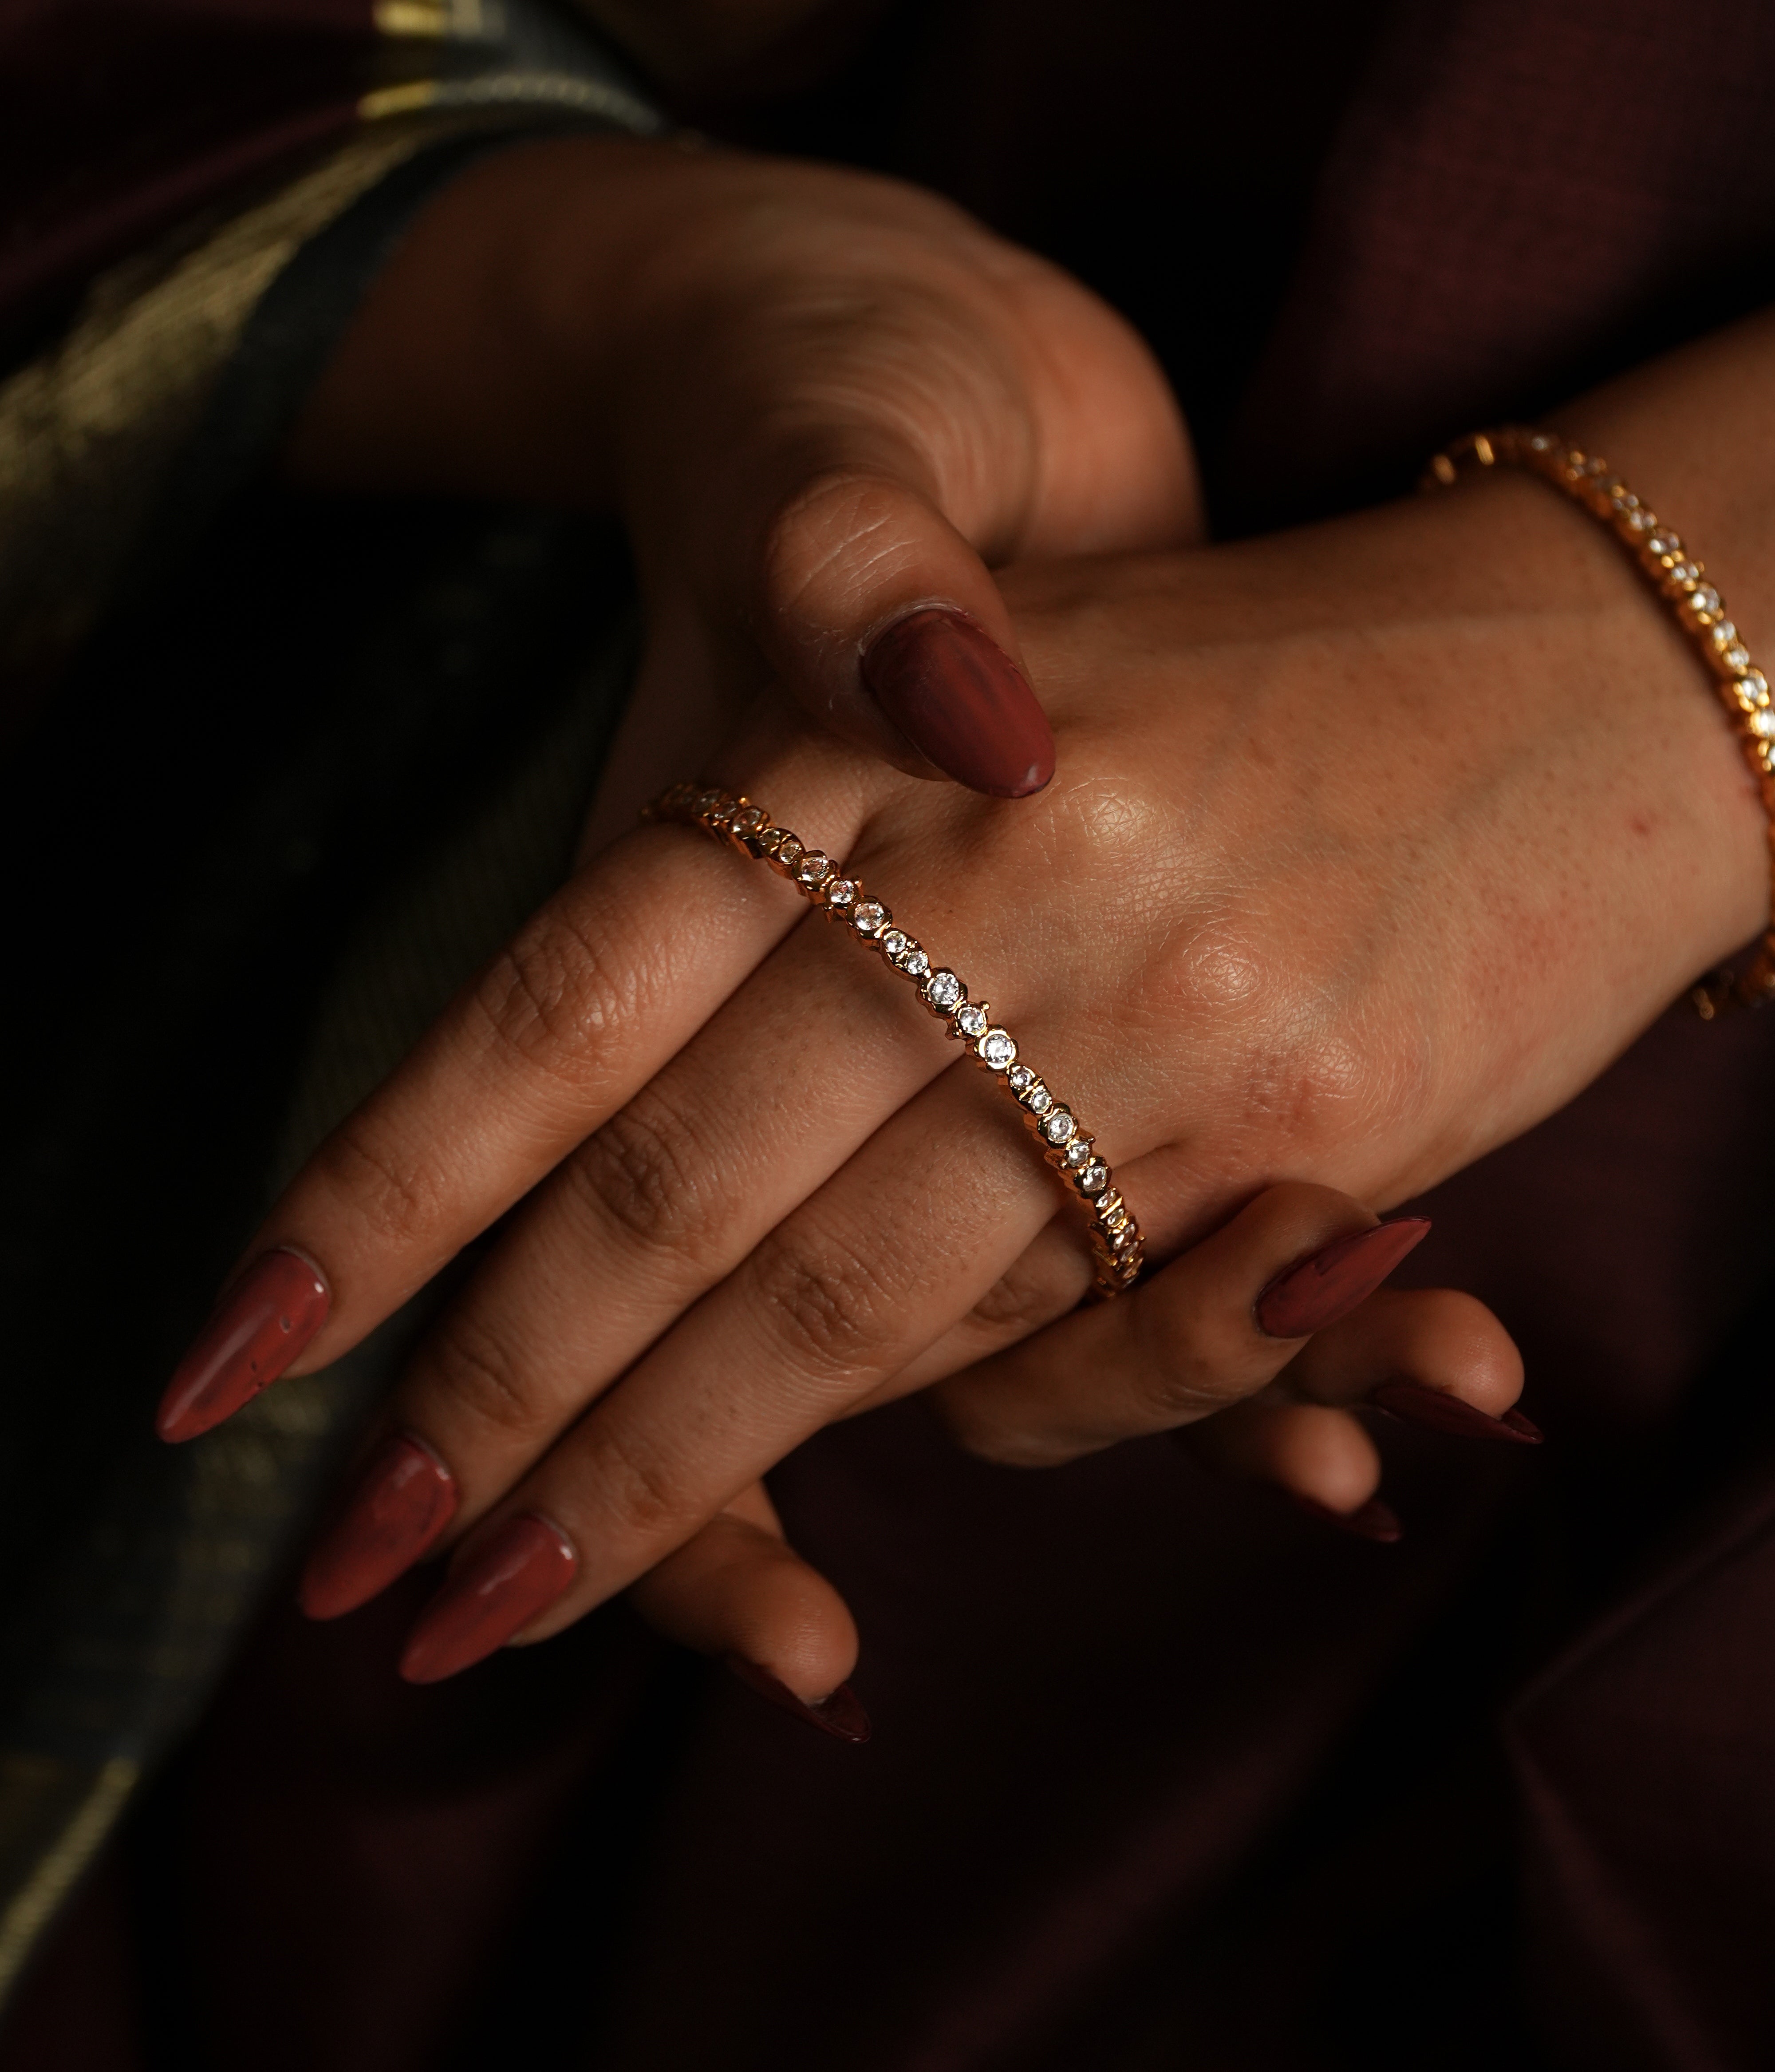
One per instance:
(1754, 682)
(816, 867)
(1683, 572)
(1540, 442)
(1705, 598)
(1736, 656)
(943, 989)
(1724, 634)
(917, 964)
(1762, 724)
(1124, 1237)
(1109, 1207)
(1020, 1078)
(1665, 543)
(1058, 1127)
(971, 1019)
(996, 1049)
(749, 819)
(1038, 1100)
(1078, 1152)
(894, 942)
(707, 802)
(841, 892)
(1640, 521)
(870, 918)
(1596, 465)
(1094, 1177)
(788, 852)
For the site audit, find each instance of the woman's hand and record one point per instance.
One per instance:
(825, 404)
(1374, 844)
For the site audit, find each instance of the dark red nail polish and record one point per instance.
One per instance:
(406, 1498)
(842, 1715)
(1373, 1520)
(260, 1325)
(499, 1589)
(1328, 1284)
(961, 700)
(1443, 1412)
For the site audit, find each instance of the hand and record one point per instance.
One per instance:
(825, 404)
(1506, 879)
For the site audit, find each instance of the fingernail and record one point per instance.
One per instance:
(260, 1325)
(1374, 1521)
(1329, 1284)
(1443, 1412)
(961, 700)
(842, 1715)
(406, 1498)
(497, 1591)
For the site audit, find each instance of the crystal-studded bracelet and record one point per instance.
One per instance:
(1698, 609)
(1115, 1242)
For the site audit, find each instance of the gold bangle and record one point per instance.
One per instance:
(1117, 1249)
(1698, 609)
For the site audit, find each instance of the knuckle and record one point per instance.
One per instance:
(474, 1375)
(404, 1201)
(552, 993)
(827, 1299)
(646, 1174)
(640, 1496)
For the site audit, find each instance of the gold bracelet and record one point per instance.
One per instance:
(1698, 609)
(1117, 1247)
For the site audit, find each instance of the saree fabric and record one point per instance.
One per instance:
(1164, 1776)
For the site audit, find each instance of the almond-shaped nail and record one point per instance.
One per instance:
(961, 702)
(260, 1325)
(500, 1587)
(1373, 1520)
(1328, 1284)
(1443, 1412)
(403, 1501)
(842, 1715)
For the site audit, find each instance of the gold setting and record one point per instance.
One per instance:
(1117, 1246)
(1679, 577)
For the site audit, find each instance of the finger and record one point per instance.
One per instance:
(1434, 1354)
(878, 1262)
(1215, 1325)
(1319, 1455)
(593, 995)
(739, 1592)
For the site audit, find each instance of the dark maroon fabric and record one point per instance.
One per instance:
(119, 118)
(1163, 1774)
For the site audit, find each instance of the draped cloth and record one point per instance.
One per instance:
(1163, 1775)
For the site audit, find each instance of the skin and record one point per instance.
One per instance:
(1455, 733)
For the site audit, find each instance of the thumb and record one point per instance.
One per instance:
(883, 622)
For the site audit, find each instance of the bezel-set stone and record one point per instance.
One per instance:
(1116, 1245)
(996, 1049)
